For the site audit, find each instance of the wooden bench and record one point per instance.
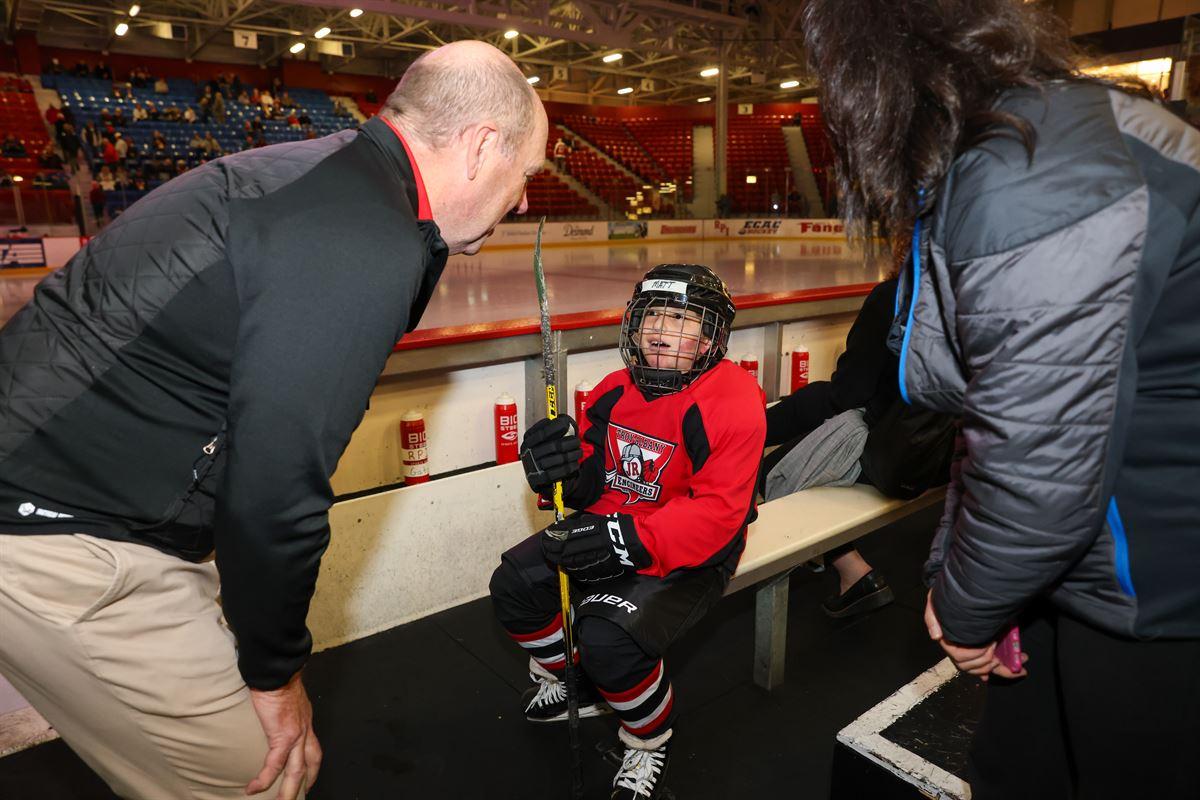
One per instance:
(795, 529)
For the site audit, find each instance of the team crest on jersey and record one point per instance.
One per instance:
(638, 462)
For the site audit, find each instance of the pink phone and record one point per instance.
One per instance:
(1008, 650)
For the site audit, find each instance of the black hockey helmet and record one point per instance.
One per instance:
(668, 296)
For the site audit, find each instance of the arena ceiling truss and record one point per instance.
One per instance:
(664, 44)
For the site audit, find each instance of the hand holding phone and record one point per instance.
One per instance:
(1008, 650)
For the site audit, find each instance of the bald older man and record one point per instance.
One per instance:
(176, 399)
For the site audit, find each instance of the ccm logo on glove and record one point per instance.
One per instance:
(594, 548)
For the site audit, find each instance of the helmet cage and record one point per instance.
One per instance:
(658, 320)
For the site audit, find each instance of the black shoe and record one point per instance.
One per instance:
(869, 593)
(546, 700)
(641, 774)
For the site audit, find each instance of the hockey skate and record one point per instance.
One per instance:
(546, 700)
(640, 775)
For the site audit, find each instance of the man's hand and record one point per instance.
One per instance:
(978, 661)
(293, 749)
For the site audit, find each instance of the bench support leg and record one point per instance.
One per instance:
(770, 631)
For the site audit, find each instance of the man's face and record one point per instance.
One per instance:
(670, 338)
(499, 186)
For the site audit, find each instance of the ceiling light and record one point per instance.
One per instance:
(703, 99)
(789, 84)
(297, 47)
(321, 33)
(356, 12)
(121, 29)
(611, 57)
(751, 179)
(511, 34)
(625, 90)
(533, 79)
(709, 72)
(17, 179)
(134, 9)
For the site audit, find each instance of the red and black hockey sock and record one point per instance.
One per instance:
(545, 645)
(633, 682)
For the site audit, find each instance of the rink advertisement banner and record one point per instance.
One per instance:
(520, 233)
(774, 228)
(626, 229)
(593, 232)
(676, 229)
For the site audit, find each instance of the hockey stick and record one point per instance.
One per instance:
(564, 589)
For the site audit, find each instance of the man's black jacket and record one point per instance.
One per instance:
(189, 380)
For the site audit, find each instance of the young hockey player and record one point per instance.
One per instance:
(664, 483)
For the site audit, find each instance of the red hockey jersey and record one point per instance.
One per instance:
(684, 465)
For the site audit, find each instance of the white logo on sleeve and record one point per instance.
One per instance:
(25, 509)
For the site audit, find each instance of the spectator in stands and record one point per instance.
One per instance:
(292, 120)
(189, 115)
(243, 98)
(560, 153)
(13, 147)
(256, 125)
(218, 108)
(82, 70)
(260, 140)
(724, 206)
(103, 71)
(181, 166)
(137, 78)
(248, 142)
(152, 112)
(212, 148)
(121, 145)
(304, 119)
(108, 153)
(172, 113)
(49, 157)
(277, 86)
(268, 104)
(186, 315)
(106, 178)
(204, 106)
(96, 196)
(93, 140)
(139, 183)
(54, 118)
(371, 96)
(105, 117)
(196, 144)
(1053, 308)
(255, 96)
(160, 86)
(71, 145)
(140, 114)
(236, 89)
(339, 110)
(118, 118)
(309, 133)
(122, 178)
(158, 142)
(285, 101)
(55, 67)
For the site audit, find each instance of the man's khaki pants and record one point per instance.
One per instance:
(124, 650)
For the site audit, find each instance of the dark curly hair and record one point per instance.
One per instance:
(907, 85)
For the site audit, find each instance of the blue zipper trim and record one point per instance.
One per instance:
(1120, 548)
(915, 255)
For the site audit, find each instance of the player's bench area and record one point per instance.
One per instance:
(401, 555)
(796, 528)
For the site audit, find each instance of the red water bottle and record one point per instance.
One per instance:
(799, 368)
(506, 429)
(413, 454)
(749, 362)
(583, 399)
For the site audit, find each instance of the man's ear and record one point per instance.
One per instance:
(481, 141)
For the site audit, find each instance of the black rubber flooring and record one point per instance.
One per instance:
(431, 709)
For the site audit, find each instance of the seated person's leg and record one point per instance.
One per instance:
(525, 597)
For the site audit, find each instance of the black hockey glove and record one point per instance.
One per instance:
(595, 548)
(550, 453)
